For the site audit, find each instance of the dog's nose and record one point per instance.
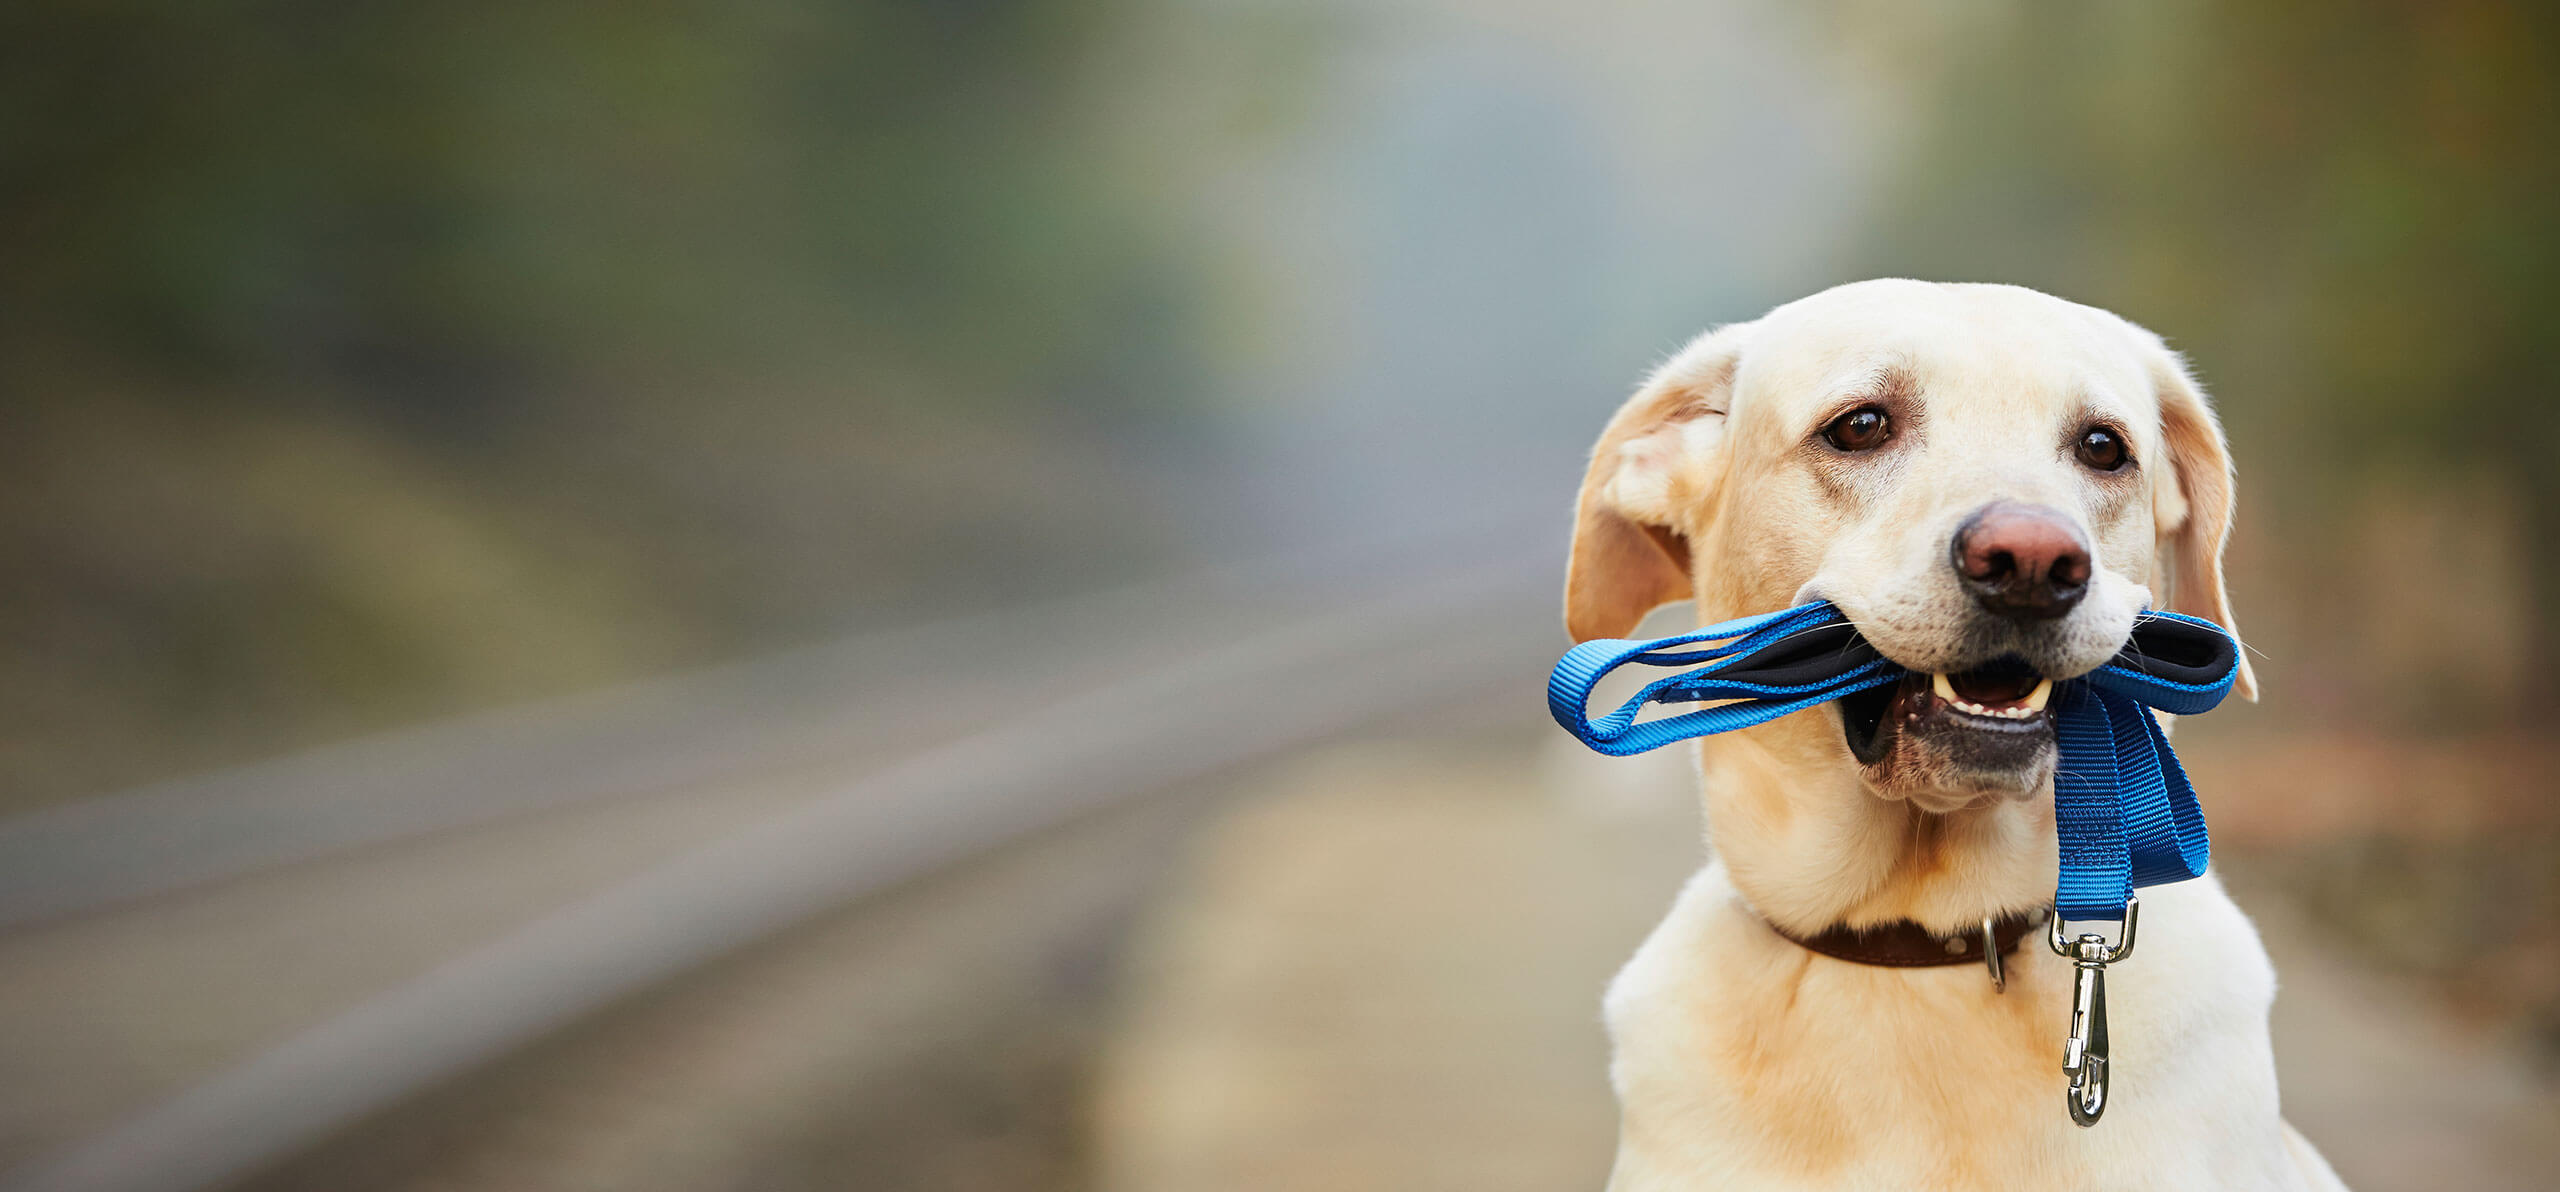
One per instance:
(2023, 562)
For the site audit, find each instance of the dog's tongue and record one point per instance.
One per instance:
(1993, 688)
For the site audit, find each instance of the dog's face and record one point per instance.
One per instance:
(1992, 483)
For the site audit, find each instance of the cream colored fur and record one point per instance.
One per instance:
(1745, 1062)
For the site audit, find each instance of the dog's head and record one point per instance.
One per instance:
(1991, 482)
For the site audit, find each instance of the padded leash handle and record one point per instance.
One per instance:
(1755, 669)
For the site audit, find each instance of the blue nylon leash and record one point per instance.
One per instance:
(2125, 812)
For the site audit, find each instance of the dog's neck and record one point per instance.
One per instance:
(1811, 846)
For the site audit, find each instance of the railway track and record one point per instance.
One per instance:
(206, 981)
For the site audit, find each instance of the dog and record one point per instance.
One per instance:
(1992, 483)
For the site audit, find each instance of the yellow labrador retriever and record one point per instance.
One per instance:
(1974, 474)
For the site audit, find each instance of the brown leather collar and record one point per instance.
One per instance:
(1905, 944)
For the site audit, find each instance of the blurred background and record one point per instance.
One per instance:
(792, 595)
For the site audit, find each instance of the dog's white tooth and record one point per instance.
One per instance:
(1945, 690)
(2036, 698)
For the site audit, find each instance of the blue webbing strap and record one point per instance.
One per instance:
(1722, 648)
(2125, 812)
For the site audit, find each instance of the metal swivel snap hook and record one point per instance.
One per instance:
(2084, 1052)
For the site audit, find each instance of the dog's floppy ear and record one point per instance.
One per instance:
(1651, 485)
(2192, 501)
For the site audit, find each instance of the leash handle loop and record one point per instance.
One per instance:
(1742, 695)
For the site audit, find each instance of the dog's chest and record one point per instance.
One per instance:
(1743, 1061)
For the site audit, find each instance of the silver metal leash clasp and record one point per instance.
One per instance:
(1991, 955)
(2084, 1052)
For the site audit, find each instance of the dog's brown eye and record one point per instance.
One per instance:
(2102, 449)
(1862, 429)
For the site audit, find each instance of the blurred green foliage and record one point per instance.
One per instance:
(363, 362)
(471, 192)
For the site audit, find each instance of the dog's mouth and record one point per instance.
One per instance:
(1990, 717)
